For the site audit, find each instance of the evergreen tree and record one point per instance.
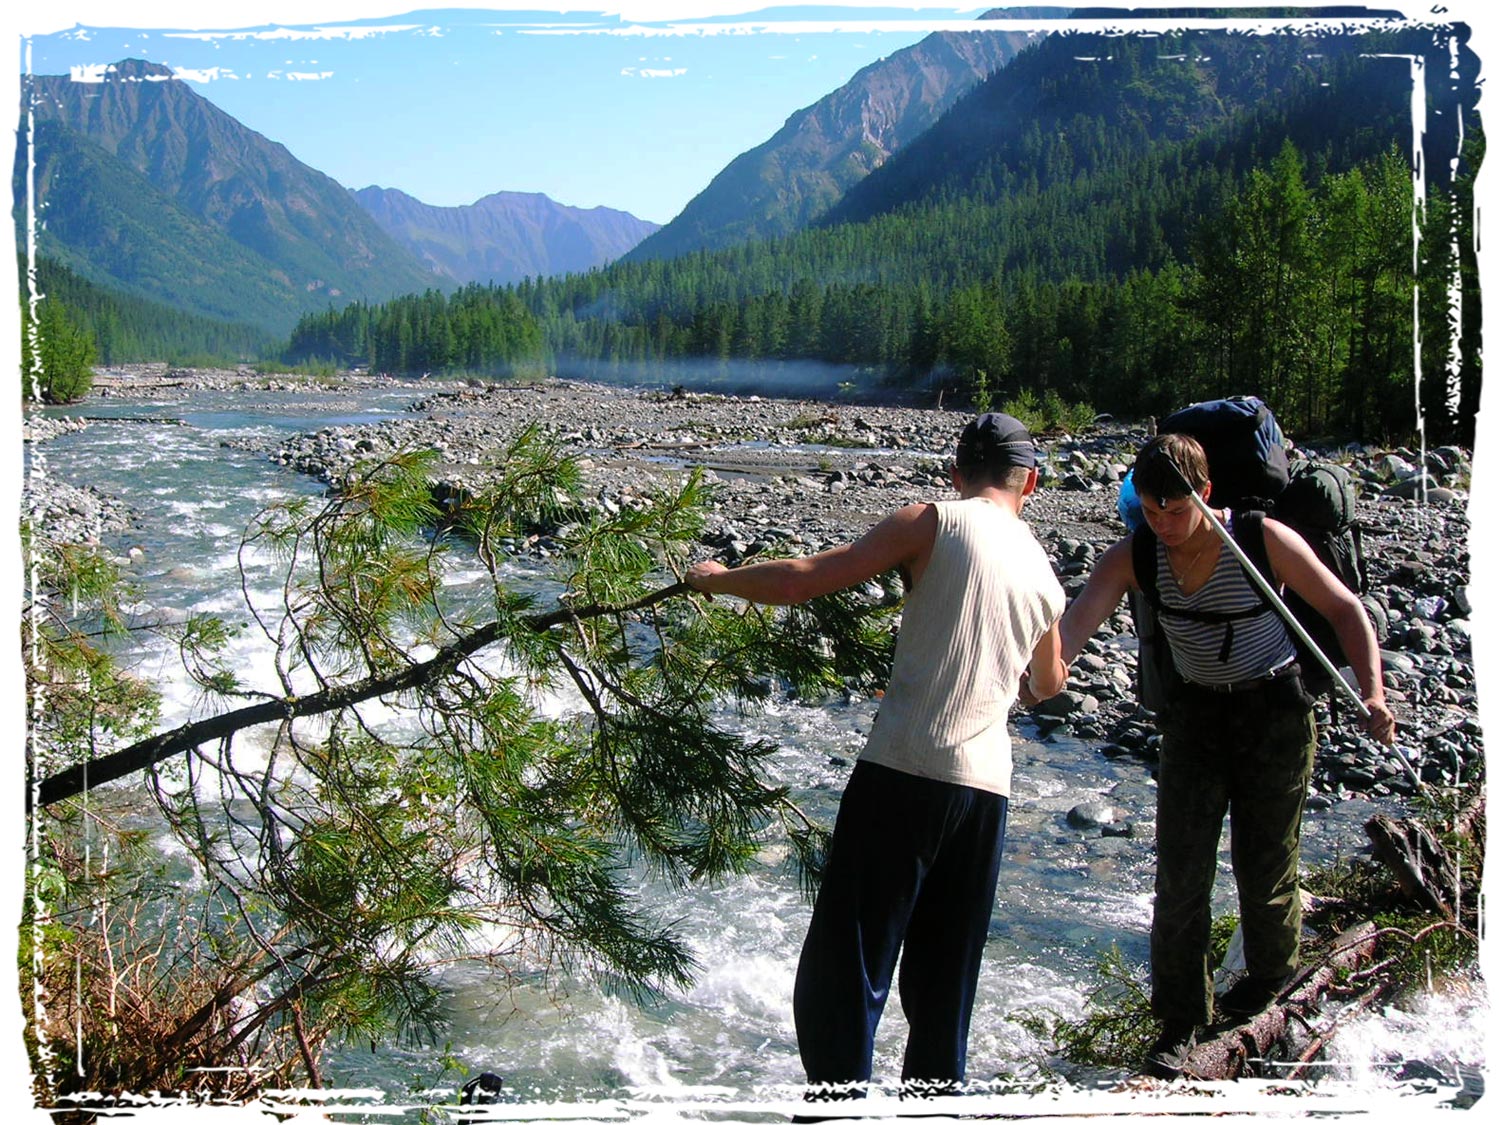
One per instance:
(56, 357)
(335, 863)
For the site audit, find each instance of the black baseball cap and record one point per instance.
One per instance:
(996, 441)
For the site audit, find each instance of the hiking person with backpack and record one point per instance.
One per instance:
(1237, 732)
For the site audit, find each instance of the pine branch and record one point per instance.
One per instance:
(78, 779)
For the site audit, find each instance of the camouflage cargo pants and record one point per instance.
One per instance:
(1249, 755)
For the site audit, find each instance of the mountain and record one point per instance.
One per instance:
(147, 187)
(1127, 220)
(782, 185)
(1079, 104)
(504, 237)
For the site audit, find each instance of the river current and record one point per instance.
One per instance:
(1066, 894)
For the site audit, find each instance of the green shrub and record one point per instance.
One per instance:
(1048, 412)
(1118, 1026)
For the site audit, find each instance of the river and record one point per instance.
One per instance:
(727, 1042)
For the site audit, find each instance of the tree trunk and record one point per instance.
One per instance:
(1422, 866)
(1233, 1052)
(142, 755)
(1427, 874)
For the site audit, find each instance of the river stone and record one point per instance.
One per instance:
(1092, 814)
(1067, 703)
(1392, 467)
(1430, 608)
(1396, 661)
(1411, 487)
(1134, 795)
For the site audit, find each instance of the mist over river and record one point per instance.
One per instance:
(193, 467)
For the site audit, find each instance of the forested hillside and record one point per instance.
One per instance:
(1131, 221)
(128, 329)
(481, 329)
(789, 180)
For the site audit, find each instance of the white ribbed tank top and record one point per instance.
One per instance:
(967, 632)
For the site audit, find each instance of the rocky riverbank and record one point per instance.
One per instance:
(148, 380)
(803, 475)
(63, 512)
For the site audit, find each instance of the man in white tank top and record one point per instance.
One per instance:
(913, 864)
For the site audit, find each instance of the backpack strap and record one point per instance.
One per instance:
(1249, 529)
(1249, 534)
(1143, 560)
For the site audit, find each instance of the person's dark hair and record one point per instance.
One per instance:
(1154, 474)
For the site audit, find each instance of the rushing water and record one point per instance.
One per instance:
(1065, 894)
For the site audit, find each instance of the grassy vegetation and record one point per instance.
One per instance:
(1048, 412)
(315, 368)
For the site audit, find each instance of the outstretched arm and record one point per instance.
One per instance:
(903, 539)
(1112, 579)
(1301, 571)
(1047, 674)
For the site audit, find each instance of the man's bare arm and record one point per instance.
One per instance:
(1113, 576)
(1047, 674)
(902, 539)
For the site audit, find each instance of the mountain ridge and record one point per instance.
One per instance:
(504, 236)
(1082, 100)
(187, 164)
(145, 185)
(823, 149)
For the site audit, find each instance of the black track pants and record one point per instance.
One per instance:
(912, 861)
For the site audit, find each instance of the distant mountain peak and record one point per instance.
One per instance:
(138, 70)
(152, 189)
(822, 150)
(504, 236)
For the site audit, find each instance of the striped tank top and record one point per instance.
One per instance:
(1221, 652)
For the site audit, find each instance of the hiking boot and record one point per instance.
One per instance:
(1250, 996)
(1169, 1053)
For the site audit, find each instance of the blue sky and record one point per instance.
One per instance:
(636, 111)
(634, 106)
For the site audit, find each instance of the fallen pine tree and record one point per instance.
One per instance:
(1389, 925)
(1235, 1051)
